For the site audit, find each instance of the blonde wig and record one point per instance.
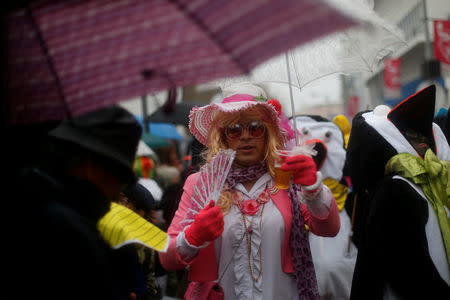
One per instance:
(217, 141)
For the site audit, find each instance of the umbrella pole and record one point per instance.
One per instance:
(288, 69)
(144, 113)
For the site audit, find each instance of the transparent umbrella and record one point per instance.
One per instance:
(358, 49)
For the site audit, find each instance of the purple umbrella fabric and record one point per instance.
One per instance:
(66, 58)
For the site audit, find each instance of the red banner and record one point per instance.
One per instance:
(352, 106)
(442, 43)
(392, 78)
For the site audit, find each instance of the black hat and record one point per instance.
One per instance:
(110, 132)
(140, 196)
(416, 113)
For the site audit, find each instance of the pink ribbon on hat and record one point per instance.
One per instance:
(238, 98)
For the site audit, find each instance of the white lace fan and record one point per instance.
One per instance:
(209, 183)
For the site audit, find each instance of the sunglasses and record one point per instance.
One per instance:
(255, 129)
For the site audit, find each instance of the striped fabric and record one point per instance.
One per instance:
(121, 226)
(70, 57)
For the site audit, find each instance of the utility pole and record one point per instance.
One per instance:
(144, 112)
(428, 50)
(431, 68)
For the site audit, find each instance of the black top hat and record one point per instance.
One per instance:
(110, 132)
(416, 113)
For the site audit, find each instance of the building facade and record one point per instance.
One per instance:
(413, 17)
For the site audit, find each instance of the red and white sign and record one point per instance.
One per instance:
(392, 78)
(352, 106)
(442, 44)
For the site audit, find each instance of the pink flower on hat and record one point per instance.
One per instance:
(275, 103)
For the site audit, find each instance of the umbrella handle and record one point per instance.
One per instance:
(292, 98)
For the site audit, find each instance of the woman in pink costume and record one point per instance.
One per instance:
(253, 241)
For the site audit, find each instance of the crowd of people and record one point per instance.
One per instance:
(365, 217)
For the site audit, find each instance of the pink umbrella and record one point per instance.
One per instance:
(69, 57)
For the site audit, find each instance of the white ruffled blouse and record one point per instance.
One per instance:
(231, 248)
(232, 258)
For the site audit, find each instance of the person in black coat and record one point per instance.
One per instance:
(57, 252)
(401, 251)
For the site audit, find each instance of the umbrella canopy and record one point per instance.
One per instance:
(162, 130)
(154, 141)
(165, 130)
(359, 48)
(69, 57)
(178, 115)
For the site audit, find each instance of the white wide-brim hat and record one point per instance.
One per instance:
(200, 118)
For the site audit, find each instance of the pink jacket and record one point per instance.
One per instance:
(204, 266)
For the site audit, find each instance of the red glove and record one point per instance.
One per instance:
(207, 226)
(303, 167)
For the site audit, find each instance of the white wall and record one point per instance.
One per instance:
(394, 10)
(438, 9)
